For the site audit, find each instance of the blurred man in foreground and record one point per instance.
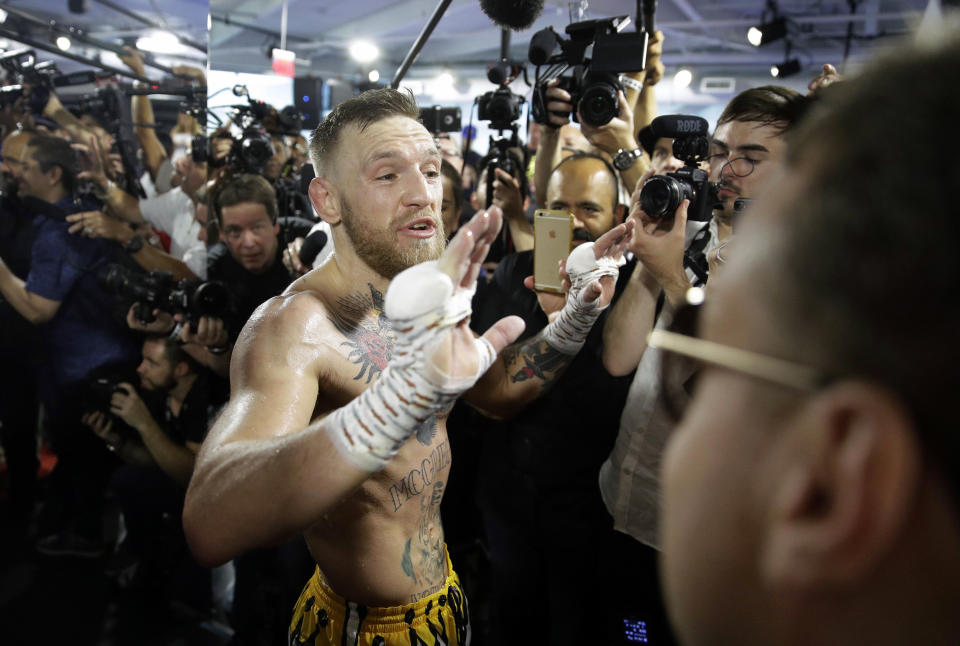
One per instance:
(812, 492)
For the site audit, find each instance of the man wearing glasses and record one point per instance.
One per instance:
(812, 490)
(746, 150)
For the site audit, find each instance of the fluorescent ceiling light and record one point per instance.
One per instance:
(363, 51)
(63, 43)
(160, 42)
(682, 79)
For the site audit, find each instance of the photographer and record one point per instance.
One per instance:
(160, 455)
(616, 139)
(511, 194)
(19, 347)
(173, 213)
(78, 334)
(248, 258)
(746, 149)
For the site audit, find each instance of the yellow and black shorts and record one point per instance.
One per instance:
(324, 618)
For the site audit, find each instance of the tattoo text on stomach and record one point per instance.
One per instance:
(419, 478)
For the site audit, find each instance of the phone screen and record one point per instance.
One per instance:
(553, 235)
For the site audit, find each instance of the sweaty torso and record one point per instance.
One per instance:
(382, 545)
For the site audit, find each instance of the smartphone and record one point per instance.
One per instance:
(553, 235)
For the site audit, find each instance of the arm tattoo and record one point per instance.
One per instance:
(535, 359)
(369, 333)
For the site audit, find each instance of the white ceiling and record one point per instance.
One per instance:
(707, 35)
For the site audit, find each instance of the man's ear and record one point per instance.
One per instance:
(847, 491)
(323, 196)
(182, 369)
(55, 175)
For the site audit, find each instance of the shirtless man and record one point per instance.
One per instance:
(336, 427)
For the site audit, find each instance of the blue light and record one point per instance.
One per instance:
(635, 631)
(306, 98)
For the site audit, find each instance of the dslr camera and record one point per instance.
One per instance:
(158, 290)
(596, 52)
(662, 194)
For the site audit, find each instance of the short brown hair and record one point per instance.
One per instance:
(771, 105)
(369, 107)
(244, 188)
(867, 265)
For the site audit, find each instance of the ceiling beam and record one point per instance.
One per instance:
(252, 10)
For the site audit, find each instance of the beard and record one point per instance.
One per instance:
(382, 253)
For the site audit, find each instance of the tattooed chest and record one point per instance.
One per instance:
(368, 334)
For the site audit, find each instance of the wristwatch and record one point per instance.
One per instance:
(624, 159)
(134, 244)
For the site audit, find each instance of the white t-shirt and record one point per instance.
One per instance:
(173, 213)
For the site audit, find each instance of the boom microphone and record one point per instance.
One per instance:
(512, 14)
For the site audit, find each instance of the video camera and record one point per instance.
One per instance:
(662, 194)
(22, 68)
(598, 53)
(158, 290)
(438, 119)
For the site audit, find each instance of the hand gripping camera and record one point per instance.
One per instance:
(597, 52)
(662, 194)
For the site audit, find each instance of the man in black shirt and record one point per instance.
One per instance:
(537, 485)
(160, 449)
(249, 256)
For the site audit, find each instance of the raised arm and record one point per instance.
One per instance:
(142, 110)
(659, 247)
(527, 369)
(265, 472)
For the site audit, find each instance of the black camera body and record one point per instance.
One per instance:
(597, 53)
(158, 290)
(437, 119)
(500, 107)
(662, 194)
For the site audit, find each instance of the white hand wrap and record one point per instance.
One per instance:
(422, 306)
(568, 332)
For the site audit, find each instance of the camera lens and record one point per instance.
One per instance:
(661, 195)
(598, 103)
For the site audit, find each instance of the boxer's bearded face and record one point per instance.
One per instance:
(382, 251)
(390, 204)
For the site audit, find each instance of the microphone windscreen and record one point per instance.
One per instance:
(312, 245)
(676, 125)
(512, 14)
(541, 46)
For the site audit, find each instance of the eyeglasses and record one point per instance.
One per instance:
(679, 377)
(739, 166)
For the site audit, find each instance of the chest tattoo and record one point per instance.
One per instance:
(360, 318)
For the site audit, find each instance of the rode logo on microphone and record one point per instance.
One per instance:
(687, 125)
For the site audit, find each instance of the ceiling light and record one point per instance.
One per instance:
(160, 42)
(364, 51)
(767, 32)
(373, 76)
(682, 78)
(63, 43)
(444, 78)
(785, 69)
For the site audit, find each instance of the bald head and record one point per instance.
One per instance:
(587, 187)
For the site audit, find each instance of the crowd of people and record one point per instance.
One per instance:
(271, 389)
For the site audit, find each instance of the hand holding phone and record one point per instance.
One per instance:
(553, 237)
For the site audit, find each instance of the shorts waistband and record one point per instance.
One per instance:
(386, 618)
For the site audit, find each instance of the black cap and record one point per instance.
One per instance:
(647, 139)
